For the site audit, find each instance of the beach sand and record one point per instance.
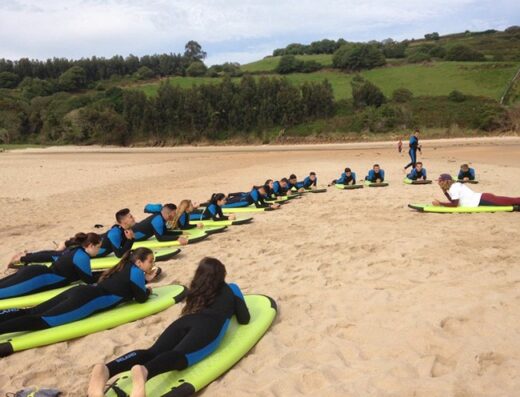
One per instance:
(374, 299)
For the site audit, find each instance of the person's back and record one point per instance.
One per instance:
(129, 283)
(229, 302)
(74, 265)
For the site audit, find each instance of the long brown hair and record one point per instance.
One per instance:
(207, 281)
(184, 206)
(83, 240)
(129, 257)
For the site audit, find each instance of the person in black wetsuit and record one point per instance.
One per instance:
(268, 187)
(124, 282)
(256, 196)
(309, 182)
(156, 225)
(466, 173)
(210, 305)
(117, 240)
(280, 187)
(73, 265)
(182, 216)
(347, 178)
(213, 210)
(414, 146)
(376, 174)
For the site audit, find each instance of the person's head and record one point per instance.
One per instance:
(218, 199)
(418, 166)
(312, 176)
(348, 171)
(168, 211)
(283, 182)
(141, 257)
(269, 183)
(445, 181)
(293, 179)
(261, 189)
(185, 206)
(91, 242)
(205, 285)
(464, 167)
(376, 168)
(416, 132)
(125, 218)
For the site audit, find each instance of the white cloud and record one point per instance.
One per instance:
(75, 28)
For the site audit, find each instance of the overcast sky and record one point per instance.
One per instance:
(228, 30)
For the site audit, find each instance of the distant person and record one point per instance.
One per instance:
(466, 173)
(376, 174)
(459, 194)
(255, 197)
(347, 178)
(213, 210)
(309, 182)
(400, 146)
(281, 187)
(418, 172)
(414, 146)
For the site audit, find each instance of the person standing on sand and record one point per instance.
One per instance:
(414, 146)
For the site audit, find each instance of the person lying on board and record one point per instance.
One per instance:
(182, 216)
(309, 182)
(157, 225)
(347, 178)
(281, 187)
(292, 182)
(117, 240)
(459, 194)
(466, 173)
(417, 173)
(124, 282)
(210, 305)
(255, 197)
(72, 265)
(268, 187)
(213, 210)
(376, 174)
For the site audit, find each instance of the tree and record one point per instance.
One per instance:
(35, 87)
(432, 36)
(357, 57)
(144, 73)
(8, 80)
(402, 95)
(418, 57)
(463, 53)
(364, 93)
(196, 69)
(193, 51)
(73, 79)
(288, 64)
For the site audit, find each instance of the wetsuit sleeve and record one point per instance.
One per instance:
(460, 175)
(241, 310)
(116, 240)
(411, 175)
(382, 173)
(342, 179)
(160, 232)
(472, 174)
(81, 262)
(221, 216)
(258, 200)
(424, 174)
(184, 222)
(371, 175)
(138, 285)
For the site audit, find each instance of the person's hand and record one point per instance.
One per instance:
(151, 275)
(275, 206)
(129, 234)
(149, 290)
(232, 217)
(195, 205)
(465, 178)
(436, 203)
(378, 180)
(301, 190)
(200, 225)
(183, 240)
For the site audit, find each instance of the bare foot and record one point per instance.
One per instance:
(15, 260)
(139, 375)
(98, 380)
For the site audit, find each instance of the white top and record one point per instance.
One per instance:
(466, 196)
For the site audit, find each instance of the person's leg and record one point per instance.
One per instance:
(29, 280)
(492, 200)
(411, 163)
(40, 256)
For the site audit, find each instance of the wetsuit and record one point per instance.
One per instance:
(269, 193)
(78, 302)
(414, 175)
(414, 145)
(115, 241)
(184, 222)
(346, 180)
(73, 265)
(470, 174)
(213, 211)
(41, 256)
(189, 339)
(307, 183)
(154, 225)
(278, 190)
(374, 176)
(246, 199)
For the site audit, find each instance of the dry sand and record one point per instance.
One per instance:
(374, 299)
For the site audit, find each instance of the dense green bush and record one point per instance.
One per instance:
(144, 73)
(73, 79)
(463, 53)
(8, 80)
(402, 95)
(419, 57)
(196, 69)
(355, 57)
(365, 93)
(457, 96)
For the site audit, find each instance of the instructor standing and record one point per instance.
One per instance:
(414, 146)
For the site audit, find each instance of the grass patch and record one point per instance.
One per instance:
(268, 64)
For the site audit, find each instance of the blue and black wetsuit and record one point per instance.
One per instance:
(269, 193)
(414, 145)
(184, 222)
(306, 183)
(78, 302)
(154, 225)
(470, 174)
(73, 265)
(374, 176)
(414, 175)
(115, 241)
(278, 190)
(41, 256)
(212, 212)
(346, 180)
(247, 199)
(189, 339)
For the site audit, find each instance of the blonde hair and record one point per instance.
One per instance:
(184, 206)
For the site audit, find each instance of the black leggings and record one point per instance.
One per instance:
(40, 256)
(185, 341)
(61, 309)
(29, 280)
(413, 158)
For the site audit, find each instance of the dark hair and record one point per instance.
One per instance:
(284, 180)
(419, 162)
(348, 170)
(131, 256)
(376, 165)
(121, 214)
(416, 130)
(83, 240)
(267, 182)
(216, 197)
(292, 176)
(464, 166)
(312, 173)
(205, 285)
(170, 206)
(259, 187)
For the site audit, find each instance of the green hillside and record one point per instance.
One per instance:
(268, 64)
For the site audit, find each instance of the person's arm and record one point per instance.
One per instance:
(451, 203)
(241, 310)
(81, 262)
(138, 285)
(219, 215)
(472, 174)
(116, 241)
(424, 174)
(342, 179)
(382, 173)
(460, 176)
(160, 232)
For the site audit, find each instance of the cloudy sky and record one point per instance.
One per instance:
(229, 30)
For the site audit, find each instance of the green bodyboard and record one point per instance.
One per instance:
(376, 184)
(239, 210)
(239, 339)
(161, 299)
(461, 210)
(193, 236)
(417, 182)
(21, 302)
(238, 221)
(348, 187)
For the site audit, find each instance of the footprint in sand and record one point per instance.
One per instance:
(442, 366)
(453, 325)
(487, 360)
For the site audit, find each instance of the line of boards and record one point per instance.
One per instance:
(462, 210)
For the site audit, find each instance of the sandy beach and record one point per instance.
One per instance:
(374, 299)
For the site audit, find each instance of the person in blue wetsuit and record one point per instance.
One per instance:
(376, 174)
(210, 305)
(418, 172)
(157, 225)
(466, 173)
(412, 151)
(182, 216)
(280, 187)
(308, 183)
(72, 265)
(347, 178)
(213, 210)
(268, 187)
(124, 282)
(255, 197)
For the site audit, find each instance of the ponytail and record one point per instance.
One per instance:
(216, 197)
(83, 240)
(184, 206)
(129, 257)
